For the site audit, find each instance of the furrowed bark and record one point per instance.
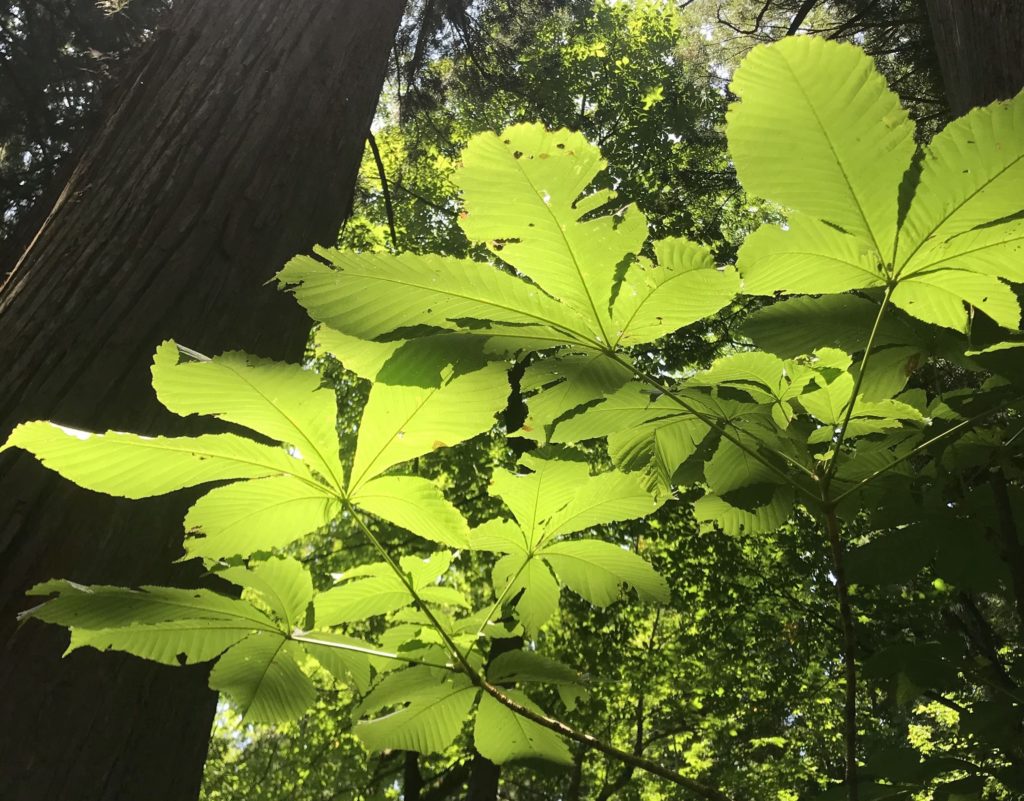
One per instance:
(979, 44)
(233, 144)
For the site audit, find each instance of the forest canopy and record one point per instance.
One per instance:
(658, 434)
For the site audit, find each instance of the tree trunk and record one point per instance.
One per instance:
(233, 144)
(980, 45)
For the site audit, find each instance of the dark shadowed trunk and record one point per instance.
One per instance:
(980, 45)
(233, 144)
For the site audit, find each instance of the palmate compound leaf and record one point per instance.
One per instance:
(557, 497)
(522, 192)
(848, 151)
(285, 499)
(522, 196)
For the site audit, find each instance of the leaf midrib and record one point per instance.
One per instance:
(336, 478)
(835, 155)
(572, 253)
(954, 210)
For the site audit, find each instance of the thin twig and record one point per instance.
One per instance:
(834, 462)
(388, 208)
(927, 443)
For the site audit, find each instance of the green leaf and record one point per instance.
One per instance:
(633, 405)
(732, 467)
(839, 140)
(888, 372)
(993, 249)
(367, 295)
(282, 401)
(415, 504)
(284, 585)
(685, 287)
(970, 177)
(259, 515)
(498, 535)
(657, 448)
(375, 589)
(535, 496)
(564, 382)
(400, 423)
(360, 599)
(938, 296)
(560, 496)
(501, 735)
(522, 190)
(605, 498)
(133, 466)
(364, 358)
(799, 326)
(806, 257)
(434, 716)
(101, 607)
(596, 570)
(529, 666)
(163, 624)
(175, 642)
(261, 675)
(754, 510)
(395, 688)
(530, 579)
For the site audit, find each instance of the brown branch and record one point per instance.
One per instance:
(801, 15)
(844, 27)
(849, 651)
(388, 208)
(757, 20)
(1009, 540)
(655, 769)
(412, 779)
